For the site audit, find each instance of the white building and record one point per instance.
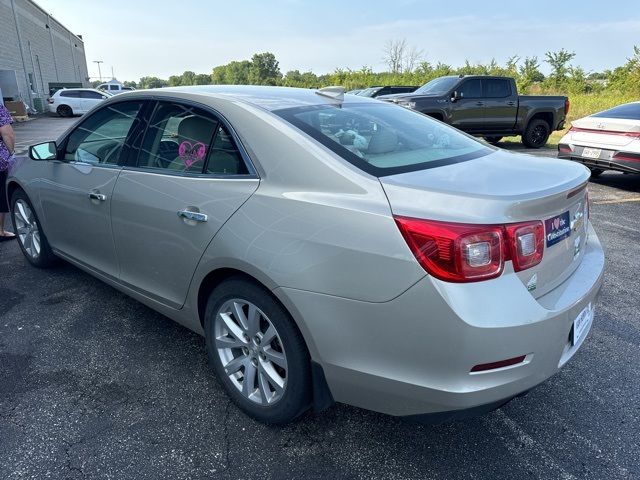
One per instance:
(38, 55)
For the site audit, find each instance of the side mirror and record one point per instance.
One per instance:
(456, 95)
(43, 151)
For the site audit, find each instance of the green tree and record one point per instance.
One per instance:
(175, 80)
(187, 78)
(237, 73)
(559, 62)
(152, 82)
(202, 79)
(626, 78)
(219, 75)
(265, 69)
(528, 74)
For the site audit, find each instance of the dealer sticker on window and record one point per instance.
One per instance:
(557, 228)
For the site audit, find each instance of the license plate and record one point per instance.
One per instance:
(581, 323)
(557, 228)
(591, 152)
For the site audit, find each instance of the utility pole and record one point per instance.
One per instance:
(99, 72)
(113, 77)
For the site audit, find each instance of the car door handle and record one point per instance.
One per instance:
(195, 216)
(511, 104)
(97, 196)
(480, 104)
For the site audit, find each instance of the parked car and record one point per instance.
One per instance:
(374, 92)
(488, 107)
(354, 92)
(75, 101)
(114, 88)
(608, 140)
(329, 247)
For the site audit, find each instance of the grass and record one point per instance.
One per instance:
(581, 106)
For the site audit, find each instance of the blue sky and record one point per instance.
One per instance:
(162, 38)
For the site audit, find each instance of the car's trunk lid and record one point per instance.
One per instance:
(504, 188)
(605, 131)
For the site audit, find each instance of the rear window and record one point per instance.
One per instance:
(629, 111)
(497, 88)
(384, 139)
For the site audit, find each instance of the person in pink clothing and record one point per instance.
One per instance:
(7, 146)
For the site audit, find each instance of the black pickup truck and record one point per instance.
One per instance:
(487, 106)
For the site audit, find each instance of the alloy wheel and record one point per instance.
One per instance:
(251, 352)
(27, 228)
(538, 135)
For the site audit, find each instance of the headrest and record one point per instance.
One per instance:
(384, 140)
(196, 128)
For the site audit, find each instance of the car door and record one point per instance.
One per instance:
(72, 99)
(189, 178)
(467, 113)
(501, 104)
(75, 192)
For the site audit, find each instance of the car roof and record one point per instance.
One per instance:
(265, 97)
(76, 89)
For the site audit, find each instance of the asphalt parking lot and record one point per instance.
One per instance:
(95, 385)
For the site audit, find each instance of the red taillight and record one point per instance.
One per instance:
(526, 244)
(483, 367)
(567, 104)
(50, 100)
(457, 252)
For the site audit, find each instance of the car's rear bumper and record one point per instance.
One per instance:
(413, 355)
(619, 160)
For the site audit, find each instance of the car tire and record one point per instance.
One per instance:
(241, 352)
(493, 140)
(536, 134)
(595, 172)
(64, 111)
(31, 238)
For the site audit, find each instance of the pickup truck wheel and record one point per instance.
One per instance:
(493, 140)
(536, 134)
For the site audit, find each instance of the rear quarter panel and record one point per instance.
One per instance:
(315, 222)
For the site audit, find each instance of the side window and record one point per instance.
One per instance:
(225, 158)
(471, 88)
(101, 137)
(497, 88)
(177, 139)
(90, 94)
(70, 94)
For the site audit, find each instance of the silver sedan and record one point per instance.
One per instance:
(329, 247)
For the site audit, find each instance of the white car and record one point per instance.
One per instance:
(75, 101)
(608, 140)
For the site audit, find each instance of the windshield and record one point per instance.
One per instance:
(438, 86)
(369, 92)
(384, 139)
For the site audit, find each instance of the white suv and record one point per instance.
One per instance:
(74, 101)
